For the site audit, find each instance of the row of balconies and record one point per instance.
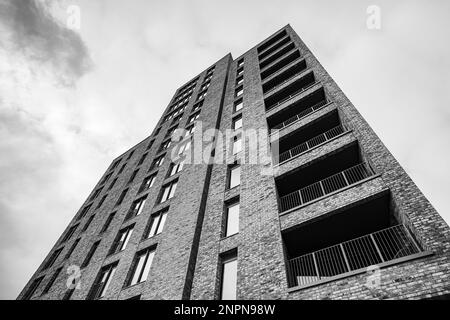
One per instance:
(358, 237)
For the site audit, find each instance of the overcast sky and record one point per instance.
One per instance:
(71, 101)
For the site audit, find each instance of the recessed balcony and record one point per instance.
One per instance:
(281, 51)
(280, 63)
(274, 48)
(312, 135)
(284, 76)
(290, 91)
(298, 110)
(271, 41)
(329, 175)
(366, 234)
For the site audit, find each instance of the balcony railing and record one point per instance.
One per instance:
(296, 93)
(301, 115)
(356, 254)
(311, 143)
(284, 81)
(273, 45)
(326, 186)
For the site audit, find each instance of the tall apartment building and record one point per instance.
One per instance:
(331, 216)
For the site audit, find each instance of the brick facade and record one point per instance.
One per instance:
(187, 261)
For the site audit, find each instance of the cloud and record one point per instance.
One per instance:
(31, 31)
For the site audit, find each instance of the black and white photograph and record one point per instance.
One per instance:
(246, 153)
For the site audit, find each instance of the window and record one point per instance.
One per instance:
(234, 176)
(237, 144)
(197, 106)
(150, 144)
(69, 233)
(68, 294)
(142, 159)
(205, 86)
(156, 225)
(130, 155)
(122, 168)
(158, 162)
(51, 281)
(133, 175)
(239, 80)
(229, 277)
(165, 145)
(238, 105)
(240, 71)
(72, 248)
(193, 117)
(147, 183)
(52, 258)
(121, 241)
(237, 123)
(190, 130)
(170, 131)
(138, 297)
(121, 197)
(32, 289)
(142, 264)
(136, 208)
(95, 194)
(115, 164)
(101, 201)
(240, 63)
(88, 223)
(106, 178)
(210, 70)
(239, 91)
(103, 281)
(168, 191)
(232, 219)
(202, 95)
(108, 222)
(83, 212)
(112, 184)
(176, 167)
(90, 254)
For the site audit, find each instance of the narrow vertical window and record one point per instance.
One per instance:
(238, 105)
(136, 208)
(142, 159)
(237, 123)
(100, 203)
(156, 225)
(133, 175)
(147, 183)
(121, 241)
(142, 264)
(237, 145)
(107, 222)
(88, 223)
(168, 191)
(32, 289)
(232, 219)
(103, 281)
(90, 254)
(52, 280)
(234, 176)
(69, 233)
(229, 277)
(121, 197)
(112, 184)
(52, 258)
(72, 248)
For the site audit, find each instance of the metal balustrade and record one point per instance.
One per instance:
(311, 143)
(301, 115)
(356, 254)
(288, 79)
(292, 95)
(325, 186)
